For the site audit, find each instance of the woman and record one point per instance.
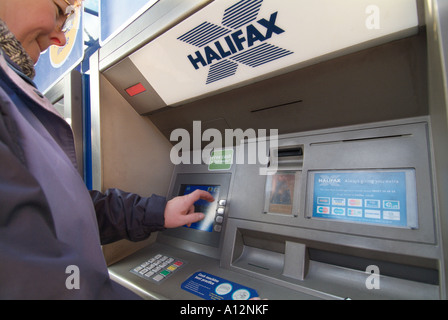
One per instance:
(49, 221)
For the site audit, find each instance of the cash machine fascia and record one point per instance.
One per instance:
(285, 248)
(304, 256)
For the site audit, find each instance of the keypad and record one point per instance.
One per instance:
(158, 268)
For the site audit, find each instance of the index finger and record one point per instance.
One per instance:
(200, 194)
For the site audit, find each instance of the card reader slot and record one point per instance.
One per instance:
(286, 158)
(290, 152)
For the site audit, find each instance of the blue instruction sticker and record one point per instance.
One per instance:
(373, 197)
(210, 287)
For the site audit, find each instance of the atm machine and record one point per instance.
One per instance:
(327, 162)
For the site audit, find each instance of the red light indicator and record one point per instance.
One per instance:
(135, 90)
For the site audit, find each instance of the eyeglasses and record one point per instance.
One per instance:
(69, 17)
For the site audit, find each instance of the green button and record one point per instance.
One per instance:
(165, 273)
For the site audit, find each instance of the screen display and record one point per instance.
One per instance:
(207, 208)
(373, 197)
(280, 192)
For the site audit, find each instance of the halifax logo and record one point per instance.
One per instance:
(242, 39)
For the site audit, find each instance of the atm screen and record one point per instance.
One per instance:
(207, 208)
(381, 197)
(208, 231)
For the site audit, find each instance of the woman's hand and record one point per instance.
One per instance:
(180, 211)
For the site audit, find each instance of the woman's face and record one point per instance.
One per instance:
(35, 23)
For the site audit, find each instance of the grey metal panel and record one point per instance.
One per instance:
(262, 250)
(323, 280)
(125, 75)
(374, 146)
(171, 288)
(437, 18)
(97, 178)
(56, 92)
(159, 18)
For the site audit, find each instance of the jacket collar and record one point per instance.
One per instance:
(26, 84)
(16, 68)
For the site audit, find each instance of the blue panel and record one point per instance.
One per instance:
(210, 287)
(372, 197)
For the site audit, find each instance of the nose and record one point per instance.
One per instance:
(58, 38)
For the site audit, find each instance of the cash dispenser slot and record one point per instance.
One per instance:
(331, 272)
(276, 258)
